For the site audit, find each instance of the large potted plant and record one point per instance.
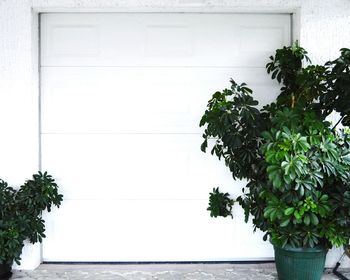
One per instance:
(297, 163)
(20, 216)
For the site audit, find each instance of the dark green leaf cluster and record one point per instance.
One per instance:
(235, 124)
(220, 204)
(337, 96)
(286, 67)
(297, 165)
(20, 214)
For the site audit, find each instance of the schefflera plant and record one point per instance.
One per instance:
(296, 163)
(21, 214)
(235, 125)
(307, 163)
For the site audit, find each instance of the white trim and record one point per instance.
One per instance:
(296, 24)
(166, 9)
(36, 250)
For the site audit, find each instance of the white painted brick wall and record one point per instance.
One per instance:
(323, 27)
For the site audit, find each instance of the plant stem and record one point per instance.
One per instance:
(293, 101)
(338, 122)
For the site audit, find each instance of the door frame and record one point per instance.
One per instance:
(294, 12)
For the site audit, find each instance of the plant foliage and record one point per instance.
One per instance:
(220, 204)
(20, 214)
(296, 162)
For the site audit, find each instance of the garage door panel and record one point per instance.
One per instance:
(133, 166)
(135, 100)
(139, 229)
(121, 99)
(161, 39)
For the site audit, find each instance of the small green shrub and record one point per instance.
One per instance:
(20, 214)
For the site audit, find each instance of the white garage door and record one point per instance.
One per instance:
(121, 99)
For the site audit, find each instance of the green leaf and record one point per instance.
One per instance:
(277, 183)
(297, 215)
(268, 212)
(267, 135)
(314, 219)
(289, 211)
(307, 219)
(204, 145)
(285, 222)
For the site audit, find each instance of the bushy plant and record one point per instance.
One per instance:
(20, 214)
(296, 162)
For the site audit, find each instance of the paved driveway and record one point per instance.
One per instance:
(164, 271)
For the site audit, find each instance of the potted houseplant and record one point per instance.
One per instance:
(20, 216)
(296, 162)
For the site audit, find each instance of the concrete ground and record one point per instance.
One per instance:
(157, 271)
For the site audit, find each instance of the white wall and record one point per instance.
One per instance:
(322, 27)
